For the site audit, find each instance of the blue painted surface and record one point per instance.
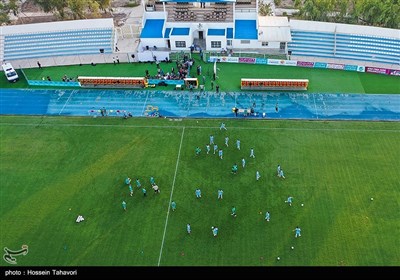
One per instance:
(229, 33)
(167, 32)
(152, 29)
(168, 82)
(53, 83)
(216, 32)
(84, 102)
(245, 29)
(25, 102)
(178, 31)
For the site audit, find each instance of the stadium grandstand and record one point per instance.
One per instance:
(226, 27)
(335, 41)
(55, 39)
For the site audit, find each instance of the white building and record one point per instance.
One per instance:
(212, 25)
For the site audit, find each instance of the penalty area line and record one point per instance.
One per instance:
(170, 197)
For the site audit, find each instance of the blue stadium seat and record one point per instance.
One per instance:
(345, 46)
(48, 44)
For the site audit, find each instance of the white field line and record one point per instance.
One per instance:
(170, 197)
(66, 102)
(145, 102)
(201, 127)
(315, 106)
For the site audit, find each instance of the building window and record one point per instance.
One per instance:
(245, 42)
(282, 45)
(180, 44)
(229, 42)
(216, 44)
(264, 44)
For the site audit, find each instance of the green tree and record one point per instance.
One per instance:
(6, 8)
(341, 10)
(78, 8)
(317, 10)
(54, 6)
(4, 14)
(104, 4)
(385, 13)
(264, 9)
(13, 6)
(94, 7)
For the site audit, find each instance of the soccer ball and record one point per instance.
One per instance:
(302, 204)
(292, 247)
(278, 258)
(372, 198)
(260, 212)
(212, 227)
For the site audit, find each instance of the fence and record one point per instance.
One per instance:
(74, 60)
(245, 54)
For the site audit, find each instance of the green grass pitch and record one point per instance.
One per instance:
(229, 75)
(49, 165)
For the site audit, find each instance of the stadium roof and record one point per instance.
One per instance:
(318, 26)
(274, 29)
(57, 26)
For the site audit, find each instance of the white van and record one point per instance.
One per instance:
(10, 73)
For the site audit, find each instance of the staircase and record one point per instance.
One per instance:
(200, 42)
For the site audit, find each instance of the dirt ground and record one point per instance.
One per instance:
(32, 13)
(286, 4)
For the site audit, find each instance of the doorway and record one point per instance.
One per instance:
(201, 36)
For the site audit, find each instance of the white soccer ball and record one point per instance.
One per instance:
(212, 227)
(372, 198)
(292, 247)
(302, 204)
(278, 258)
